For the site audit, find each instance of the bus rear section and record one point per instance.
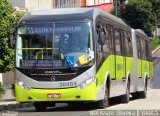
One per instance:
(142, 61)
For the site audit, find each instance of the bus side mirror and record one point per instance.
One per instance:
(11, 39)
(101, 38)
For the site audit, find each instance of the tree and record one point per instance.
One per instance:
(140, 15)
(120, 4)
(9, 19)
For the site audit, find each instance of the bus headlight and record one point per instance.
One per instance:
(23, 86)
(86, 83)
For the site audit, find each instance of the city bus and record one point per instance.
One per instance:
(79, 55)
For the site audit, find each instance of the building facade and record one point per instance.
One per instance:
(106, 5)
(34, 5)
(66, 3)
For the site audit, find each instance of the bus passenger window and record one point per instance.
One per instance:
(99, 46)
(126, 43)
(139, 47)
(147, 51)
(117, 42)
(130, 45)
(106, 46)
(143, 49)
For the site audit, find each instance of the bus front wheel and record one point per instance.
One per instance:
(39, 106)
(42, 106)
(105, 102)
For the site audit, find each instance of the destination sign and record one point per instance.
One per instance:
(41, 63)
(33, 30)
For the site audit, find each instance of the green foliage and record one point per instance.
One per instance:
(140, 15)
(155, 42)
(9, 20)
(2, 89)
(113, 11)
(156, 7)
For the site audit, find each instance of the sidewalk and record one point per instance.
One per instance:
(156, 56)
(8, 102)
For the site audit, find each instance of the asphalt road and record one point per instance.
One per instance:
(152, 102)
(59, 110)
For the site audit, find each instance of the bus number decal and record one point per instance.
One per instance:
(67, 84)
(119, 67)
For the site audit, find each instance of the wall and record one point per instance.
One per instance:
(34, 5)
(97, 2)
(8, 79)
(18, 3)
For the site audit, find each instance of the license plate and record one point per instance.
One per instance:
(54, 95)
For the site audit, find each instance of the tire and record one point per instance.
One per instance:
(143, 94)
(39, 106)
(75, 103)
(135, 95)
(105, 102)
(125, 98)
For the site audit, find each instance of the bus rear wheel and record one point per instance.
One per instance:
(143, 94)
(125, 98)
(105, 102)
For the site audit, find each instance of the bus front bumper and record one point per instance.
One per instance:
(69, 94)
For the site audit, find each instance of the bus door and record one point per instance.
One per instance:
(144, 63)
(139, 49)
(122, 39)
(110, 30)
(120, 59)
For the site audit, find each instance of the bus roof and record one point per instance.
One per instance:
(141, 33)
(68, 14)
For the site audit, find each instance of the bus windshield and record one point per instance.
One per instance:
(49, 45)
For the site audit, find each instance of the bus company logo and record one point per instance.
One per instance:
(52, 78)
(53, 72)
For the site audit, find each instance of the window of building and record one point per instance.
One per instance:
(64, 3)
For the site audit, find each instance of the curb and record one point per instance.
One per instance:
(13, 106)
(155, 49)
(155, 61)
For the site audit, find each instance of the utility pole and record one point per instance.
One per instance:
(116, 8)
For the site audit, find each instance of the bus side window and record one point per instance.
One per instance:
(148, 51)
(107, 42)
(143, 49)
(130, 44)
(99, 30)
(138, 47)
(107, 48)
(117, 42)
(121, 32)
(126, 44)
